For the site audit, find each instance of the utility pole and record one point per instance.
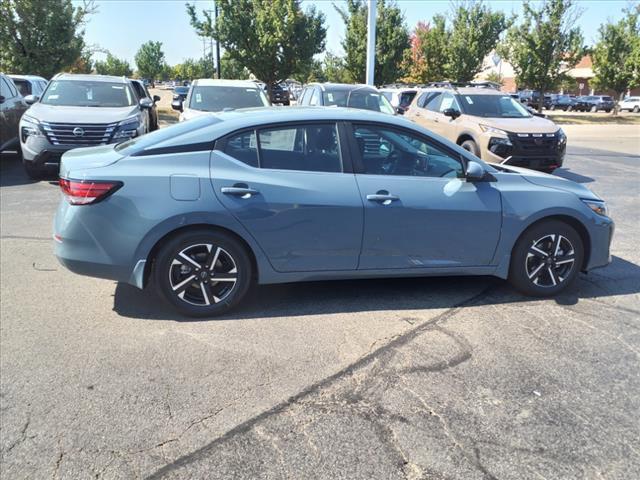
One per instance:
(213, 62)
(215, 17)
(371, 43)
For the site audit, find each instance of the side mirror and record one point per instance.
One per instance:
(177, 105)
(1, 99)
(451, 112)
(156, 98)
(145, 103)
(475, 171)
(31, 99)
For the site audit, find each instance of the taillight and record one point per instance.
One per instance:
(85, 192)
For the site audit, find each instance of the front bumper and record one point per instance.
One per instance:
(600, 235)
(536, 153)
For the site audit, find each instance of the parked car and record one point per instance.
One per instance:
(399, 97)
(345, 95)
(561, 102)
(595, 103)
(630, 104)
(152, 112)
(212, 205)
(29, 84)
(180, 93)
(12, 107)
(79, 110)
(531, 98)
(208, 95)
(279, 94)
(491, 125)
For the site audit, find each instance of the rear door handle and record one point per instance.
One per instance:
(237, 191)
(383, 198)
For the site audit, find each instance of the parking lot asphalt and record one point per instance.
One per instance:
(441, 378)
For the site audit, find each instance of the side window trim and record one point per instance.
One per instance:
(358, 164)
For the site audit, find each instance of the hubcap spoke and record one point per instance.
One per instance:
(179, 288)
(556, 244)
(183, 256)
(206, 293)
(552, 275)
(536, 272)
(214, 260)
(537, 252)
(565, 259)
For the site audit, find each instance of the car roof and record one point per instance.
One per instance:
(343, 86)
(215, 82)
(90, 77)
(32, 78)
(466, 91)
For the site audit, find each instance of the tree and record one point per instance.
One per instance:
(41, 37)
(333, 69)
(113, 66)
(150, 60)
(427, 59)
(392, 39)
(271, 38)
(475, 32)
(545, 45)
(616, 56)
(84, 63)
(495, 77)
(232, 68)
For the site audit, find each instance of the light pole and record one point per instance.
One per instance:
(371, 43)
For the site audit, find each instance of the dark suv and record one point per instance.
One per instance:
(12, 106)
(530, 98)
(562, 102)
(279, 94)
(594, 103)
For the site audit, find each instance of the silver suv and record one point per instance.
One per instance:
(79, 111)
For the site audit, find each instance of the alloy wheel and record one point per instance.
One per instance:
(549, 260)
(203, 274)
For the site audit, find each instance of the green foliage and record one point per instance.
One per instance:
(113, 66)
(427, 59)
(333, 69)
(150, 61)
(191, 69)
(616, 55)
(544, 45)
(40, 37)
(271, 38)
(392, 39)
(84, 63)
(474, 33)
(232, 69)
(494, 77)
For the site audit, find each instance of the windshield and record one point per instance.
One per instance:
(77, 93)
(494, 106)
(363, 99)
(181, 90)
(217, 98)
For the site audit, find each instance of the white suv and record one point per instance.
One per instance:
(632, 104)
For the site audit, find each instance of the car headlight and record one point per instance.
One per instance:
(597, 206)
(488, 129)
(30, 127)
(128, 128)
(562, 137)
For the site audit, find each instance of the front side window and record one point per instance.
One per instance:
(398, 152)
(214, 98)
(312, 148)
(433, 102)
(449, 102)
(81, 93)
(23, 87)
(139, 90)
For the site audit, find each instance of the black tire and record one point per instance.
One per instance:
(232, 261)
(471, 146)
(636, 109)
(34, 172)
(608, 110)
(537, 275)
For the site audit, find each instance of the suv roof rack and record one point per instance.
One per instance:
(472, 84)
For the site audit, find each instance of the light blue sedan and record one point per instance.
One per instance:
(212, 205)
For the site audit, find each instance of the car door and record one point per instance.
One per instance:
(294, 191)
(140, 93)
(427, 114)
(11, 110)
(419, 211)
(448, 127)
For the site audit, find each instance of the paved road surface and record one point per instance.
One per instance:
(429, 378)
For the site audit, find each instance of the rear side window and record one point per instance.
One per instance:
(243, 147)
(315, 97)
(311, 148)
(23, 87)
(7, 89)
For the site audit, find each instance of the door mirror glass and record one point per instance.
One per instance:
(31, 99)
(146, 103)
(475, 171)
(156, 98)
(451, 112)
(1, 99)
(177, 104)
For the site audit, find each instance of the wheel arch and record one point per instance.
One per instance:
(573, 222)
(463, 137)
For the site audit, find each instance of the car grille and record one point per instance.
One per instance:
(80, 134)
(534, 143)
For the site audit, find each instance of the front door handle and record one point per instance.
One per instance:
(383, 197)
(239, 191)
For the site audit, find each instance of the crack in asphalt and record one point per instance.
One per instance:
(366, 360)
(22, 437)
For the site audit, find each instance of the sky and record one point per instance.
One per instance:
(121, 26)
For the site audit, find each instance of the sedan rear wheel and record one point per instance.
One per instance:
(546, 259)
(203, 273)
